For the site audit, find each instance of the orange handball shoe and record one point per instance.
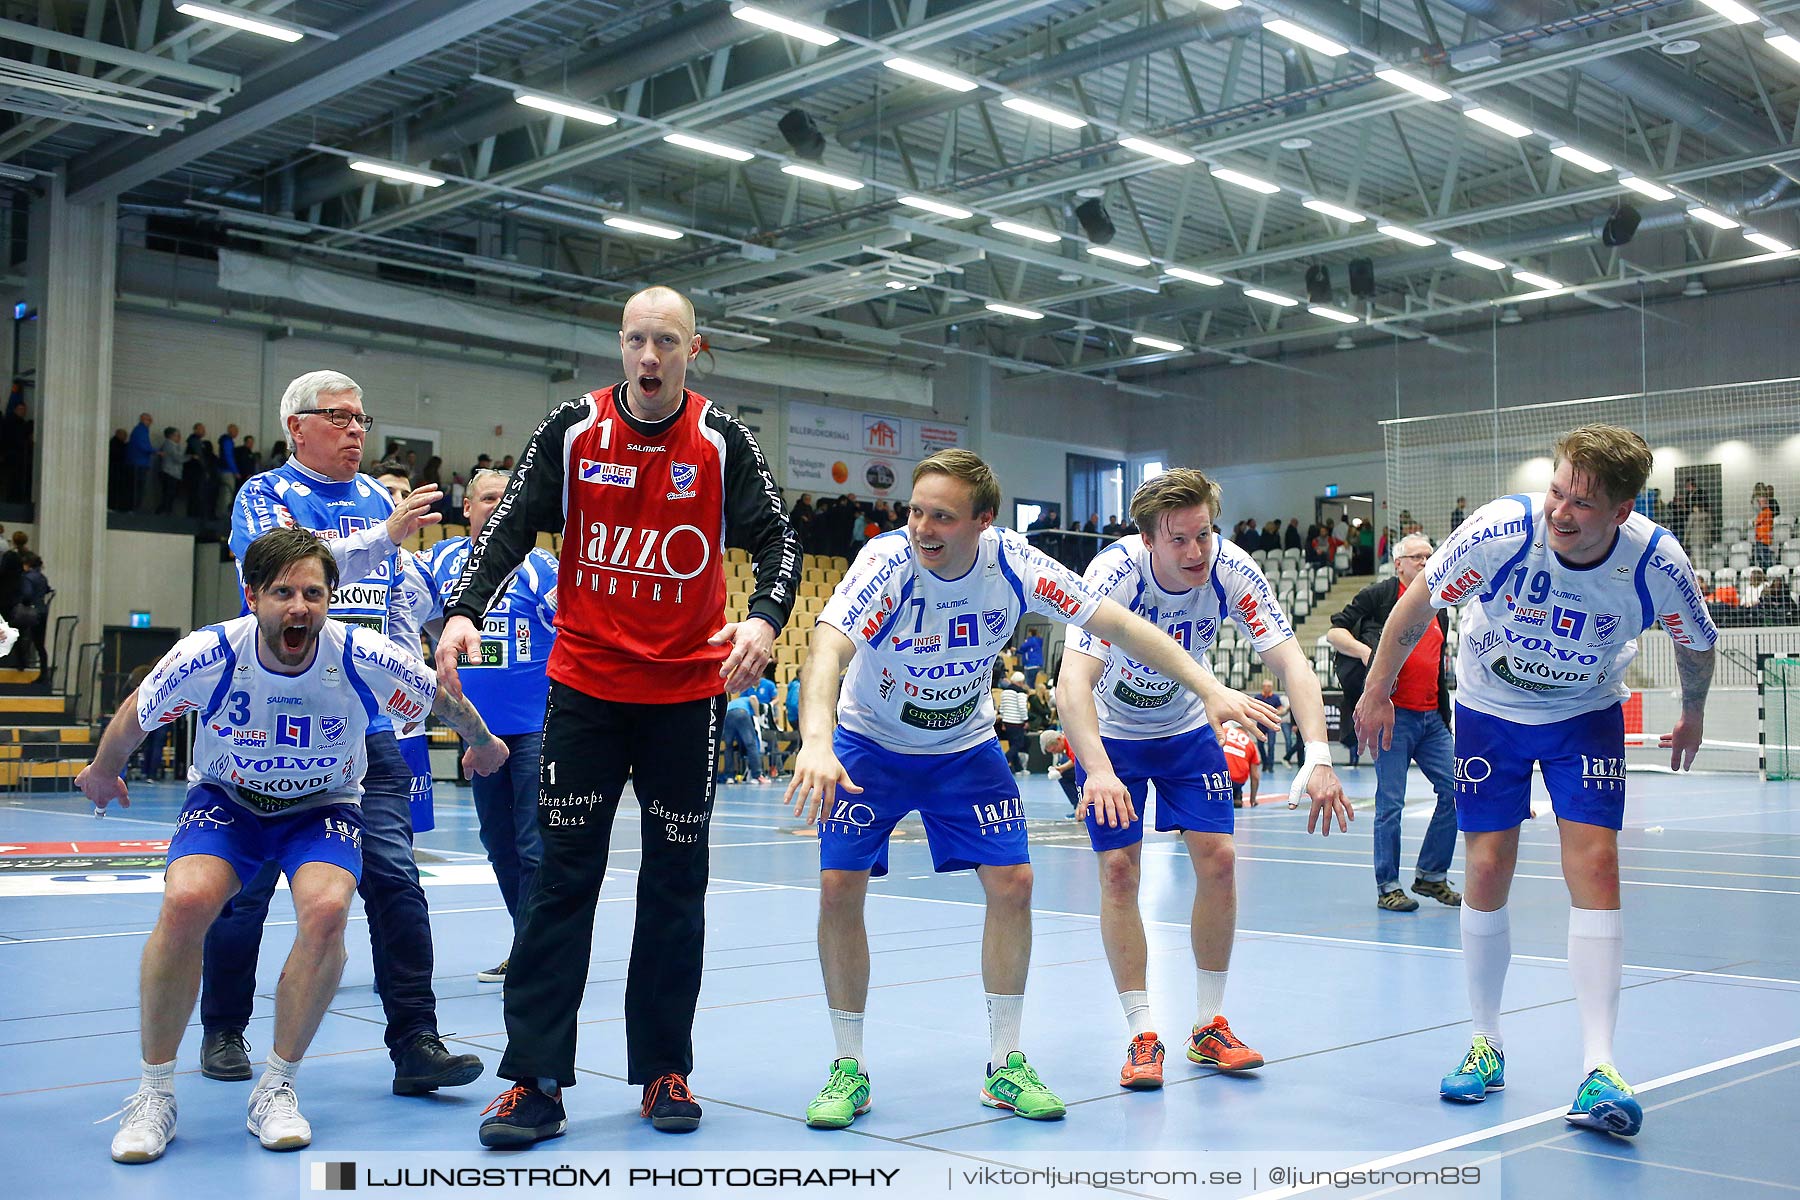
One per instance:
(1142, 1071)
(1216, 1046)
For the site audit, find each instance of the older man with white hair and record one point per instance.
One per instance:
(1421, 732)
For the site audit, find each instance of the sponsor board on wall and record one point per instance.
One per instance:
(869, 454)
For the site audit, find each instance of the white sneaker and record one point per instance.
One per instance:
(276, 1121)
(147, 1128)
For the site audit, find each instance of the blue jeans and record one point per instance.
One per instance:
(399, 922)
(506, 805)
(1422, 738)
(741, 743)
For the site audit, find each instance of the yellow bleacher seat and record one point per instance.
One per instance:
(736, 555)
(840, 564)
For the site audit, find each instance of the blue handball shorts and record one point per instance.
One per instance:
(417, 753)
(1193, 786)
(213, 823)
(1582, 758)
(968, 801)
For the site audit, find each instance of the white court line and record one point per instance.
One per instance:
(1280, 935)
(1549, 1114)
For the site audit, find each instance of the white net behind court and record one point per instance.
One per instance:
(1713, 446)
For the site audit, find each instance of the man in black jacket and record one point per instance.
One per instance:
(1421, 730)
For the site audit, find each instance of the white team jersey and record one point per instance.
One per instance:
(1137, 703)
(1545, 641)
(280, 743)
(925, 647)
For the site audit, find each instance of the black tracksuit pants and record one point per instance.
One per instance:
(590, 746)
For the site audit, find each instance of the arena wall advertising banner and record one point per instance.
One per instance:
(869, 454)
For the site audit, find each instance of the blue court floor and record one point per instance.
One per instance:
(1358, 1011)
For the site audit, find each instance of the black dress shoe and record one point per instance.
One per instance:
(224, 1054)
(425, 1066)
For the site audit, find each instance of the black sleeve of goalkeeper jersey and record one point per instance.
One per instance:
(532, 504)
(755, 521)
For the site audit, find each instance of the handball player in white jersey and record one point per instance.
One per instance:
(1562, 585)
(284, 698)
(918, 622)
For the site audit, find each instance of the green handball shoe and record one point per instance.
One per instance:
(1016, 1086)
(844, 1097)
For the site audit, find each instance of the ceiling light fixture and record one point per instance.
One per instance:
(565, 108)
(1157, 343)
(397, 174)
(716, 149)
(1496, 122)
(1715, 219)
(1245, 181)
(1305, 37)
(1644, 187)
(936, 206)
(1478, 260)
(1581, 158)
(1193, 276)
(1545, 294)
(1271, 297)
(1121, 256)
(1417, 87)
(781, 24)
(931, 74)
(1044, 112)
(1156, 151)
(1406, 235)
(1333, 210)
(843, 182)
(1010, 310)
(1333, 314)
(630, 225)
(1773, 245)
(1536, 280)
(1782, 42)
(250, 22)
(1026, 231)
(1732, 11)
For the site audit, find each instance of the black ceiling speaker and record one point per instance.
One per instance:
(1318, 284)
(802, 135)
(1096, 222)
(1362, 278)
(1621, 226)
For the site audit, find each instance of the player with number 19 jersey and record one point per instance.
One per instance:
(1544, 641)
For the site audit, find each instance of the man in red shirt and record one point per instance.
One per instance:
(1421, 733)
(1244, 764)
(648, 483)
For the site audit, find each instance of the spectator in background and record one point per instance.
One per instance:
(1332, 542)
(1112, 528)
(249, 461)
(12, 581)
(229, 474)
(1777, 606)
(506, 464)
(1291, 539)
(1762, 544)
(119, 491)
(1062, 765)
(1031, 657)
(1752, 591)
(1040, 707)
(1460, 513)
(1248, 536)
(1013, 704)
(34, 604)
(1093, 524)
(1242, 763)
(1265, 738)
(1315, 546)
(173, 463)
(483, 462)
(142, 455)
(278, 454)
(193, 469)
(1725, 594)
(16, 451)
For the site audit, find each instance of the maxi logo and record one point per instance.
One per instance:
(1568, 622)
(401, 705)
(1246, 609)
(680, 553)
(1671, 622)
(177, 712)
(1461, 586)
(1052, 593)
(872, 626)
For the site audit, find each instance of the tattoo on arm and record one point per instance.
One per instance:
(1696, 670)
(461, 716)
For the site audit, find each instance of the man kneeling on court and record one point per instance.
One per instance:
(286, 792)
(919, 620)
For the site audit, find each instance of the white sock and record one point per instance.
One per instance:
(1596, 964)
(277, 1071)
(1137, 1011)
(1487, 952)
(1209, 995)
(157, 1077)
(1005, 1014)
(847, 1031)
(549, 1086)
